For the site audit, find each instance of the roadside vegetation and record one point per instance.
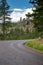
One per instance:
(36, 44)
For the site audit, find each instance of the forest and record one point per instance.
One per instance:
(29, 28)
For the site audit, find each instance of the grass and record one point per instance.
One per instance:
(35, 44)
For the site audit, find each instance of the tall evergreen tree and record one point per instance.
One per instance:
(38, 13)
(4, 13)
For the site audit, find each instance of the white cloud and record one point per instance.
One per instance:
(18, 9)
(17, 13)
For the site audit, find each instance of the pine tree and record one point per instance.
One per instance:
(38, 13)
(4, 13)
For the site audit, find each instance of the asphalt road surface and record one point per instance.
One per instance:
(15, 53)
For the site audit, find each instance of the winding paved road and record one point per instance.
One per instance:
(15, 53)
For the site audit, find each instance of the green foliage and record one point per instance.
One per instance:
(35, 45)
(16, 32)
(4, 13)
(37, 14)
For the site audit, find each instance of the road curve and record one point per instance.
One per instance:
(15, 53)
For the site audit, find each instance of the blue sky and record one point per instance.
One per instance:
(23, 4)
(20, 9)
